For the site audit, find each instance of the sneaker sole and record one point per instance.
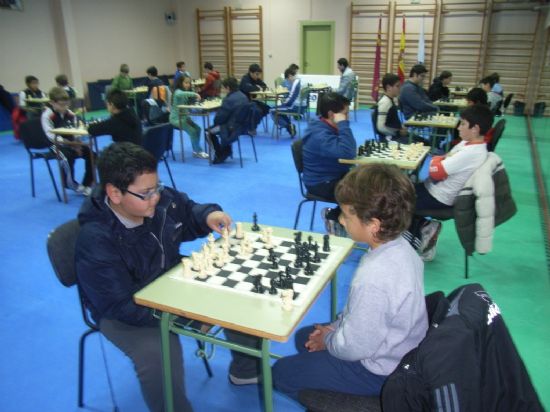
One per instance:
(433, 239)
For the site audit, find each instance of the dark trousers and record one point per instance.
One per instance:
(424, 200)
(142, 345)
(326, 191)
(71, 155)
(321, 370)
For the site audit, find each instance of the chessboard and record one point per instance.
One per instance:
(433, 120)
(458, 103)
(265, 268)
(408, 157)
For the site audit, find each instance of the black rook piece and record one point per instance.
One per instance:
(326, 243)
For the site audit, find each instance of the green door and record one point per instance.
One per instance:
(317, 47)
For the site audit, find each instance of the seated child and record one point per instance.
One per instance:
(33, 91)
(212, 82)
(385, 314)
(184, 94)
(63, 82)
(388, 122)
(448, 174)
(325, 141)
(289, 104)
(439, 89)
(123, 125)
(57, 114)
(225, 130)
(123, 81)
(118, 252)
(494, 99)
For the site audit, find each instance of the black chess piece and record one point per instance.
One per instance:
(255, 227)
(274, 264)
(258, 287)
(297, 237)
(326, 243)
(287, 271)
(289, 282)
(271, 257)
(316, 258)
(273, 289)
(298, 263)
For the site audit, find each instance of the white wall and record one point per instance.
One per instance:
(92, 37)
(27, 46)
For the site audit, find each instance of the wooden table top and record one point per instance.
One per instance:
(246, 312)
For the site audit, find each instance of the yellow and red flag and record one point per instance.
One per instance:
(377, 58)
(401, 58)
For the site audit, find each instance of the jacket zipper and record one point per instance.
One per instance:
(163, 258)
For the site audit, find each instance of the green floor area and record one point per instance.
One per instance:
(541, 130)
(515, 272)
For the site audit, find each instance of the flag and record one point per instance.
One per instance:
(377, 57)
(401, 58)
(421, 45)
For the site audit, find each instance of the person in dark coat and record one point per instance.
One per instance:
(439, 89)
(224, 131)
(123, 125)
(131, 229)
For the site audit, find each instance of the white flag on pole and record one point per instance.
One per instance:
(421, 47)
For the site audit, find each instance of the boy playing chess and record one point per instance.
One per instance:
(57, 114)
(130, 232)
(385, 314)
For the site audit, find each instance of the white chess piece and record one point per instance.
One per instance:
(187, 273)
(239, 230)
(196, 261)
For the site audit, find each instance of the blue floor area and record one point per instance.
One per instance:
(41, 323)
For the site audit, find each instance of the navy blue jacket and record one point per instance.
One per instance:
(413, 99)
(113, 263)
(323, 145)
(248, 84)
(227, 114)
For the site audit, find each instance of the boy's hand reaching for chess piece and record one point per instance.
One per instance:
(218, 220)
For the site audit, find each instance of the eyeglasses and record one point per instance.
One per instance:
(149, 194)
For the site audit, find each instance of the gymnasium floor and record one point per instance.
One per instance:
(42, 324)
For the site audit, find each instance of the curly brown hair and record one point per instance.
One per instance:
(379, 191)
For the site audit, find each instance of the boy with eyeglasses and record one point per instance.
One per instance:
(131, 230)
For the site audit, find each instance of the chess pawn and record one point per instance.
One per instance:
(186, 263)
(239, 230)
(220, 261)
(205, 250)
(244, 247)
(268, 243)
(225, 234)
(203, 270)
(195, 256)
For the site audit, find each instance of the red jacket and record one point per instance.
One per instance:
(211, 86)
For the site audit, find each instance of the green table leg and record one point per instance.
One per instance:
(166, 366)
(333, 297)
(266, 373)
